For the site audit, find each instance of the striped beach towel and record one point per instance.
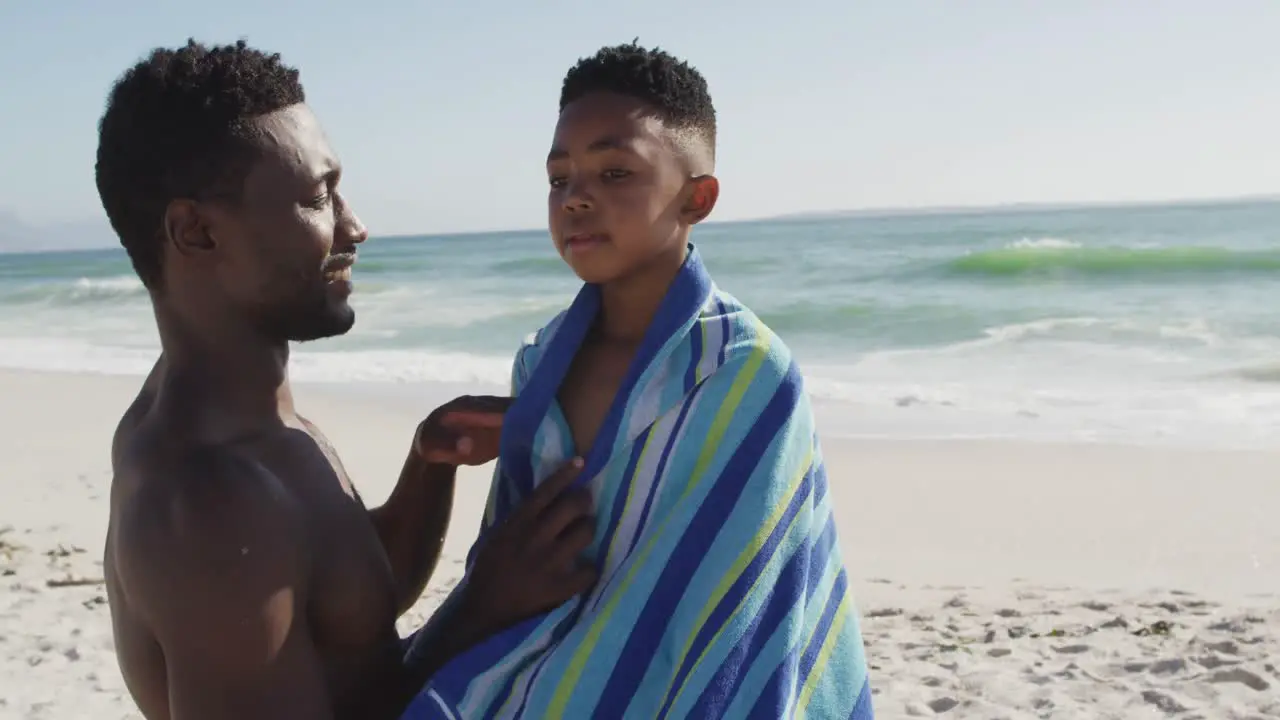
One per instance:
(722, 591)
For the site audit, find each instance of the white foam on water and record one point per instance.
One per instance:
(400, 366)
(116, 284)
(1003, 385)
(306, 365)
(1045, 243)
(418, 307)
(1070, 378)
(1135, 363)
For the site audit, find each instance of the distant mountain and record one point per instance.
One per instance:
(17, 235)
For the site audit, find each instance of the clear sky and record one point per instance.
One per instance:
(442, 110)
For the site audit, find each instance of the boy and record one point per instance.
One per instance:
(721, 590)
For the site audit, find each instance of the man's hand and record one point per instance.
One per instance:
(464, 431)
(531, 563)
(413, 522)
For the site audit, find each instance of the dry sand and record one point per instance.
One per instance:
(996, 579)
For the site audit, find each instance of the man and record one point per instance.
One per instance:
(246, 577)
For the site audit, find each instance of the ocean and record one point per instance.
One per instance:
(1126, 324)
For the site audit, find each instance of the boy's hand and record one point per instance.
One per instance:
(464, 431)
(530, 563)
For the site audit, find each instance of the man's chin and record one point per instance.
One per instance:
(335, 322)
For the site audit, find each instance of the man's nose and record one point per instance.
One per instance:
(350, 228)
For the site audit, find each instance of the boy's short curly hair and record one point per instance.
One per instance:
(673, 87)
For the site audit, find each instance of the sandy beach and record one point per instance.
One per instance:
(997, 579)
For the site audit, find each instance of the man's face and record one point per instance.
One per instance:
(617, 188)
(283, 251)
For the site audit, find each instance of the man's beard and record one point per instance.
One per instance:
(317, 317)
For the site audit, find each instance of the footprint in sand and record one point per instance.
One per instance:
(1168, 667)
(1226, 647)
(1164, 702)
(886, 612)
(1234, 626)
(1213, 662)
(1242, 676)
(1072, 649)
(943, 704)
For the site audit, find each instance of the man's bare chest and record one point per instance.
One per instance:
(351, 596)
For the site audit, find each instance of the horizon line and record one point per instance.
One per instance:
(891, 211)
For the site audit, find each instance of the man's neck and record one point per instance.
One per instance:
(628, 305)
(228, 368)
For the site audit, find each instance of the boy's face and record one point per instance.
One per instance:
(621, 197)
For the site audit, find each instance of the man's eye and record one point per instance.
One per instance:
(556, 181)
(616, 174)
(319, 202)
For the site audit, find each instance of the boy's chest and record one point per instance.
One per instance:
(588, 390)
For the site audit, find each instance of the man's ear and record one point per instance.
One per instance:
(186, 229)
(703, 194)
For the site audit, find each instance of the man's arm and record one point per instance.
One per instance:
(413, 522)
(211, 558)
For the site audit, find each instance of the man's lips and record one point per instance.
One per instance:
(338, 266)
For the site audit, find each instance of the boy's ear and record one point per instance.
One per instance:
(703, 194)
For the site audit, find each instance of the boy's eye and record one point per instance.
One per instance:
(556, 181)
(616, 174)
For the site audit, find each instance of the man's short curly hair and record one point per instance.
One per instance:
(178, 125)
(675, 89)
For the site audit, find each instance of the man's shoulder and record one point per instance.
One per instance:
(190, 516)
(210, 556)
(195, 486)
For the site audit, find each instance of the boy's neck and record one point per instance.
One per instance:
(628, 305)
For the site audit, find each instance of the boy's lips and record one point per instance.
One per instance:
(584, 241)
